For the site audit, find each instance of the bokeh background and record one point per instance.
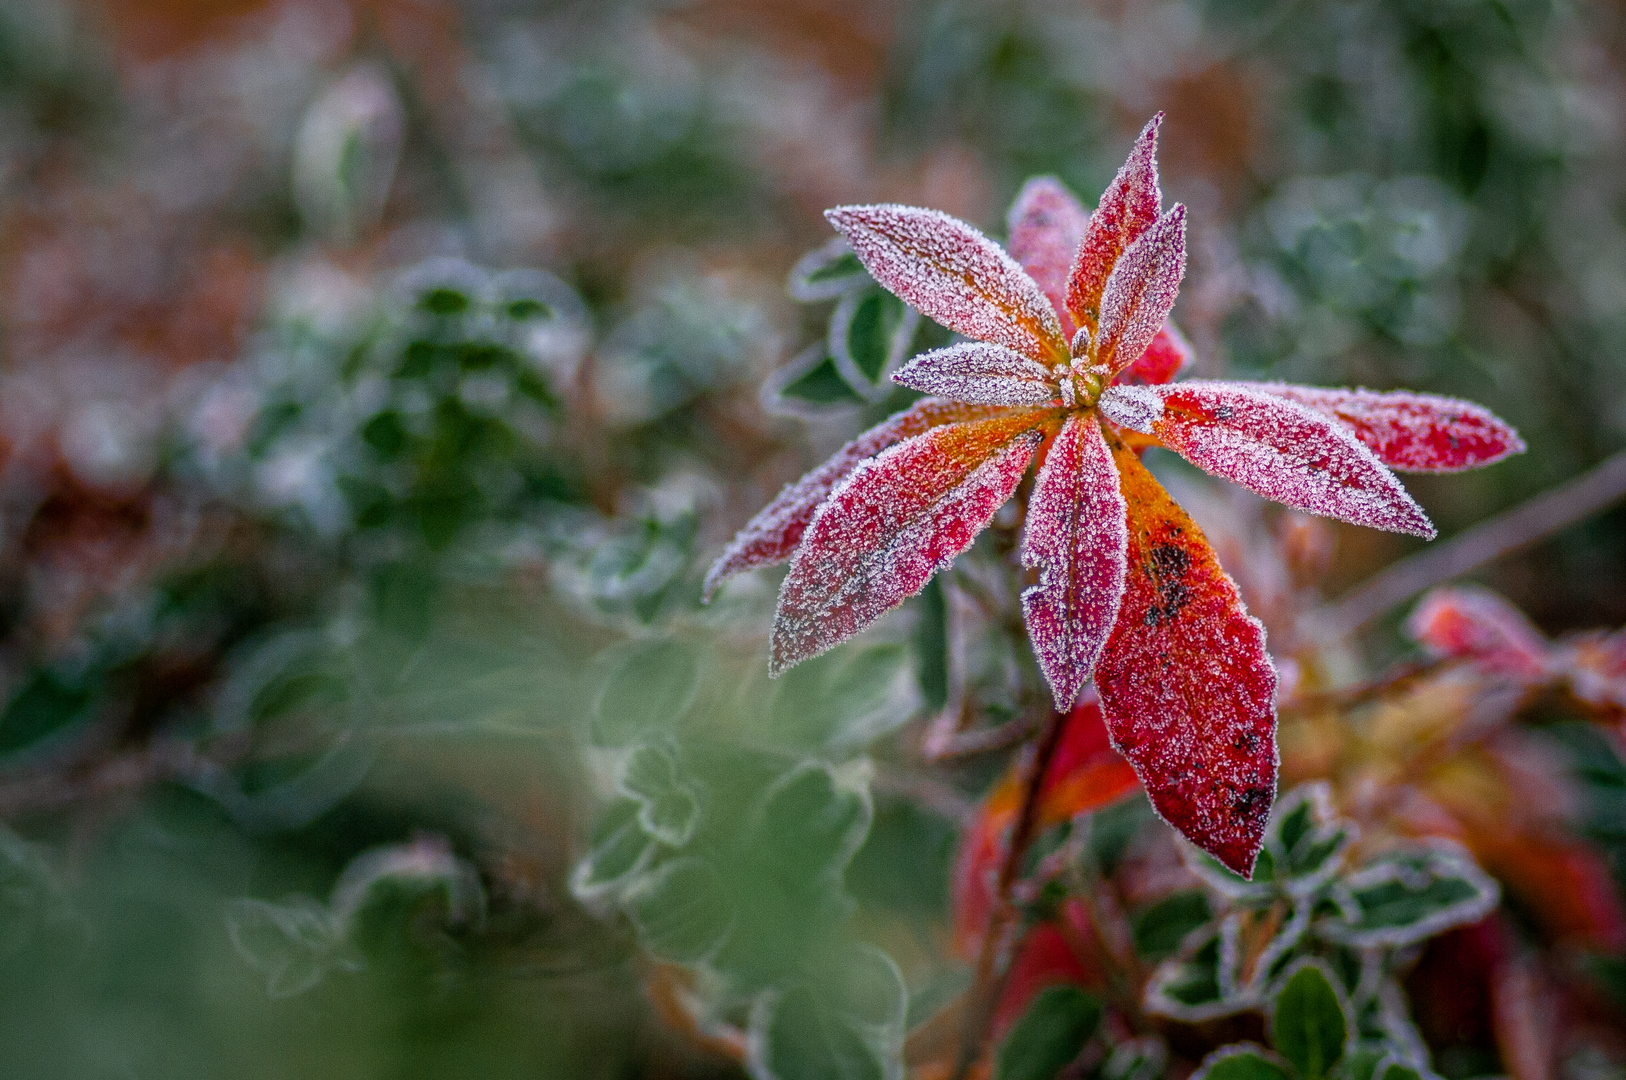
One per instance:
(379, 377)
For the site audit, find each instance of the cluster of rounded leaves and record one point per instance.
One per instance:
(1070, 369)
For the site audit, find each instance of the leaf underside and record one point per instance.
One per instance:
(1186, 686)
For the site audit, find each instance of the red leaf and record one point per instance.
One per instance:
(977, 372)
(1128, 208)
(954, 274)
(1141, 292)
(1465, 621)
(1075, 537)
(1167, 356)
(1408, 431)
(898, 519)
(1186, 686)
(1046, 228)
(1271, 446)
(1047, 957)
(771, 537)
(1085, 774)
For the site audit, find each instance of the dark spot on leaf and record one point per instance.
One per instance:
(1224, 412)
(1166, 565)
(1247, 742)
(1253, 802)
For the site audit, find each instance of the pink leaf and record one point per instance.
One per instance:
(897, 520)
(954, 274)
(1408, 431)
(1188, 692)
(1046, 227)
(771, 537)
(1075, 537)
(1167, 356)
(984, 374)
(1475, 623)
(1141, 292)
(1128, 208)
(1271, 446)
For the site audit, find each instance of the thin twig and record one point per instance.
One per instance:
(1540, 517)
(986, 990)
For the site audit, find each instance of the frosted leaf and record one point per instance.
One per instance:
(1465, 621)
(898, 519)
(1133, 407)
(1186, 686)
(771, 537)
(1128, 208)
(1075, 537)
(954, 274)
(1141, 292)
(1410, 431)
(1046, 227)
(1167, 356)
(1277, 448)
(826, 273)
(980, 373)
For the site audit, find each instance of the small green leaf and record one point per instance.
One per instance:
(622, 849)
(681, 910)
(826, 273)
(1051, 1033)
(1309, 1023)
(1242, 1062)
(669, 804)
(1360, 1064)
(1395, 1070)
(809, 825)
(821, 384)
(1160, 929)
(1410, 894)
(1195, 985)
(796, 1036)
(870, 333)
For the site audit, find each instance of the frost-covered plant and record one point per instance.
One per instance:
(1065, 373)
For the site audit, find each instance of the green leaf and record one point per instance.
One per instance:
(621, 851)
(1195, 985)
(930, 644)
(1241, 1062)
(847, 697)
(681, 910)
(1410, 894)
(870, 333)
(669, 804)
(810, 823)
(820, 384)
(1159, 929)
(1049, 1035)
(294, 944)
(1395, 1070)
(649, 688)
(1309, 1024)
(797, 1036)
(826, 273)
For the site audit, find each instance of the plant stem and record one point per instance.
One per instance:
(986, 990)
(1540, 517)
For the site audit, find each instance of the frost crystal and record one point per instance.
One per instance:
(980, 373)
(1075, 536)
(954, 274)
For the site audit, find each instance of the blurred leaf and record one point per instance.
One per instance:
(682, 910)
(849, 1031)
(294, 945)
(649, 687)
(1160, 928)
(1241, 1062)
(1309, 1024)
(870, 334)
(621, 851)
(1051, 1033)
(826, 273)
(1412, 893)
(669, 805)
(847, 697)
